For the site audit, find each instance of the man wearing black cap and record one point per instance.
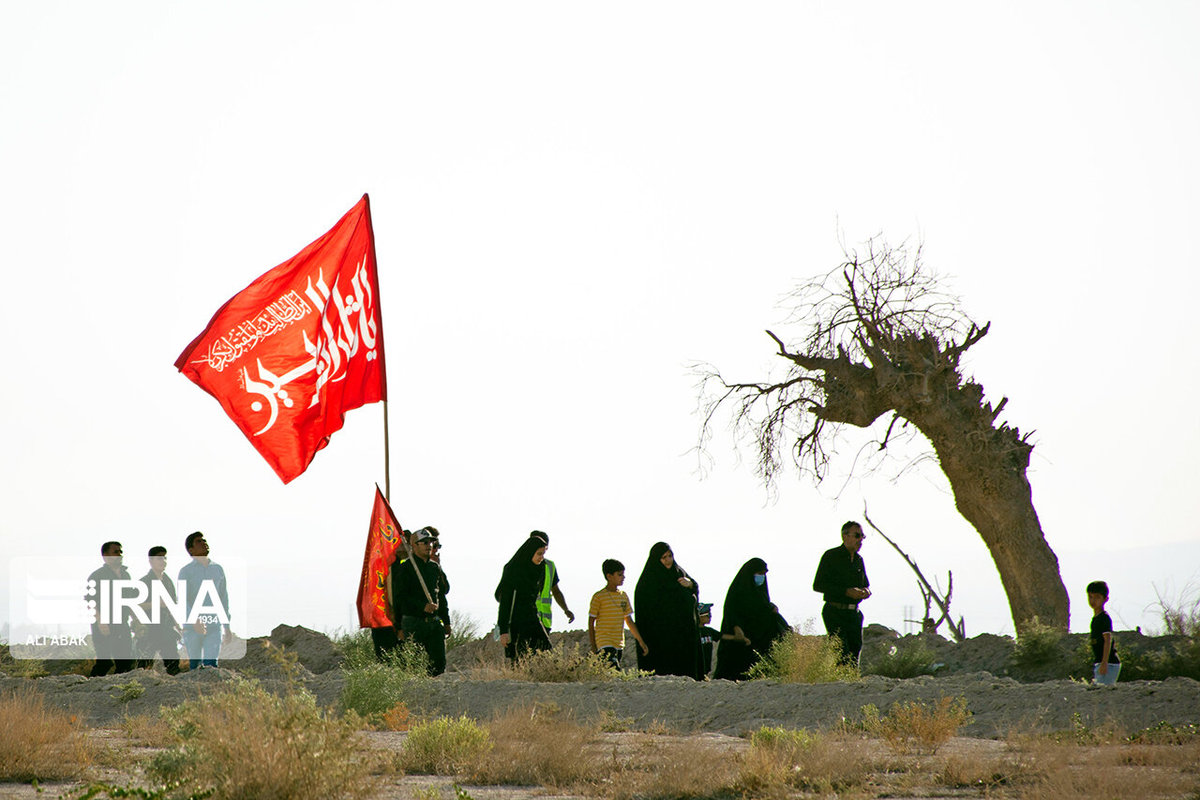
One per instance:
(842, 578)
(420, 602)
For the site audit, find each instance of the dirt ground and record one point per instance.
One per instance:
(717, 714)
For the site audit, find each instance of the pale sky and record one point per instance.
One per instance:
(573, 204)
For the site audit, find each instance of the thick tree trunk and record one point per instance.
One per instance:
(994, 495)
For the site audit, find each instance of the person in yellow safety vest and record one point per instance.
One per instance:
(549, 588)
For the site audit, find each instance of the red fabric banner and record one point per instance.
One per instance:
(383, 538)
(291, 353)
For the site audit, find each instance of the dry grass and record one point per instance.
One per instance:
(1060, 771)
(991, 775)
(244, 742)
(146, 730)
(40, 743)
(550, 751)
(663, 769)
(539, 745)
(781, 762)
(563, 663)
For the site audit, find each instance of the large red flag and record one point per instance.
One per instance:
(291, 353)
(383, 538)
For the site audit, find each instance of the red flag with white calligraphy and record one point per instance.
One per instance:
(383, 539)
(291, 353)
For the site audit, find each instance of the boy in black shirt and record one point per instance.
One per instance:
(1107, 666)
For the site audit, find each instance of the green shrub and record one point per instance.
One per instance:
(781, 739)
(116, 791)
(902, 661)
(1180, 658)
(372, 687)
(463, 629)
(1037, 646)
(798, 658)
(356, 647)
(245, 742)
(129, 691)
(444, 746)
(1167, 734)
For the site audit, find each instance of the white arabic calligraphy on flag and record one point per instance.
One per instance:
(295, 350)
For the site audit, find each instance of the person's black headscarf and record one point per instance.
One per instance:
(749, 607)
(666, 617)
(520, 569)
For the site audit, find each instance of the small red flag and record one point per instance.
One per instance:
(291, 353)
(383, 537)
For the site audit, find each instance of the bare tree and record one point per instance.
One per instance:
(883, 338)
(929, 593)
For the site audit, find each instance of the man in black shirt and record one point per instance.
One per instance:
(417, 591)
(159, 638)
(113, 639)
(842, 578)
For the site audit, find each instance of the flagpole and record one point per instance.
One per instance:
(387, 457)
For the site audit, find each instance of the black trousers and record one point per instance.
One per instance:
(385, 640)
(163, 644)
(431, 636)
(114, 650)
(846, 625)
(524, 639)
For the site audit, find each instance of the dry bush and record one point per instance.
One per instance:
(444, 746)
(244, 742)
(396, 718)
(560, 664)
(1180, 613)
(658, 727)
(915, 726)
(608, 722)
(671, 769)
(539, 745)
(39, 743)
(800, 658)
(563, 664)
(464, 629)
(780, 761)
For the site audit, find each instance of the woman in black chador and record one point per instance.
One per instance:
(750, 624)
(665, 605)
(520, 629)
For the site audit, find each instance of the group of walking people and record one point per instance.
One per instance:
(121, 641)
(667, 619)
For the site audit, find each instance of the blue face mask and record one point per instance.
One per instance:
(760, 580)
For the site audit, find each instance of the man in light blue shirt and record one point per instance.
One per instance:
(202, 638)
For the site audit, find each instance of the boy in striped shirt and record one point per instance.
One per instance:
(608, 615)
